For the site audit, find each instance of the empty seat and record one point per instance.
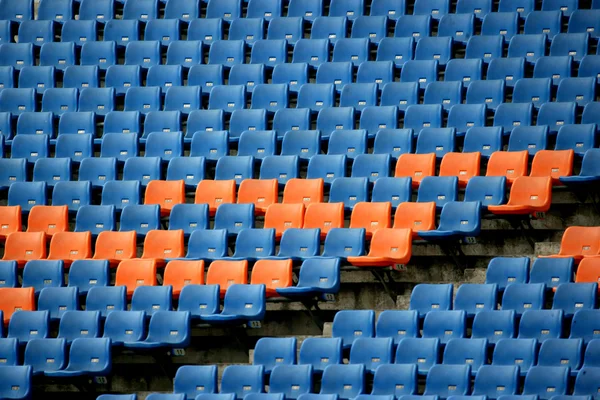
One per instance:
(448, 380)
(389, 247)
(85, 274)
(303, 191)
(27, 195)
(427, 297)
(344, 243)
(75, 147)
(69, 246)
(327, 167)
(501, 23)
(571, 297)
(555, 67)
(116, 246)
(58, 300)
(25, 324)
(542, 380)
(24, 246)
(552, 164)
(371, 217)
(39, 274)
(324, 216)
(561, 353)
(582, 21)
(541, 324)
(579, 90)
(504, 271)
(521, 297)
(589, 66)
(415, 166)
(441, 190)
(445, 325)
(332, 380)
(48, 219)
(423, 352)
(419, 117)
(521, 352)
(512, 164)
(494, 325)
(496, 380)
(349, 191)
(528, 195)
(475, 298)
(531, 47)
(299, 243)
(79, 324)
(570, 44)
(421, 71)
(140, 218)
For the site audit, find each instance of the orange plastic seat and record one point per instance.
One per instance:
(553, 163)
(273, 274)
(116, 246)
(160, 245)
(166, 194)
(215, 193)
(226, 273)
(284, 216)
(16, 299)
(324, 216)
(511, 164)
(261, 192)
(10, 220)
(48, 219)
(135, 273)
(415, 166)
(371, 216)
(24, 246)
(589, 271)
(70, 246)
(389, 248)
(415, 216)
(303, 191)
(580, 241)
(528, 195)
(463, 165)
(179, 273)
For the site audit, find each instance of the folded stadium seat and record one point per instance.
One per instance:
(326, 167)
(9, 352)
(580, 90)
(350, 143)
(39, 274)
(39, 78)
(58, 55)
(258, 144)
(76, 147)
(206, 76)
(254, 244)
(589, 66)
(510, 115)
(273, 274)
(555, 67)
(324, 216)
(283, 216)
(36, 32)
(331, 119)
(494, 325)
(58, 300)
(543, 22)
(189, 378)
(18, 11)
(497, 381)
(85, 274)
(422, 352)
(17, 55)
(227, 52)
(394, 142)
(214, 193)
(422, 116)
(397, 325)
(523, 296)
(46, 355)
(542, 380)
(70, 246)
(185, 53)
(98, 100)
(125, 327)
(17, 101)
(529, 138)
(584, 325)
(78, 32)
(438, 189)
(553, 271)
(349, 191)
(488, 190)
(584, 21)
(27, 195)
(501, 23)
(533, 90)
(320, 352)
(143, 53)
(205, 30)
(301, 143)
(25, 246)
(210, 145)
(520, 352)
(272, 97)
(10, 221)
(541, 324)
(48, 219)
(152, 299)
(121, 32)
(165, 76)
(389, 247)
(120, 146)
(116, 246)
(98, 171)
(142, 169)
(463, 165)
(290, 29)
(35, 123)
(562, 353)
(25, 324)
(531, 47)
(299, 244)
(415, 166)
(421, 71)
(476, 298)
(445, 325)
(234, 217)
(504, 271)
(355, 51)
(247, 29)
(146, 100)
(376, 118)
(554, 164)
(248, 75)
(226, 273)
(345, 381)
(486, 48)
(371, 217)
(339, 73)
(165, 31)
(140, 218)
(484, 140)
(79, 324)
(343, 243)
(17, 380)
(570, 44)
(448, 380)
(579, 138)
(556, 115)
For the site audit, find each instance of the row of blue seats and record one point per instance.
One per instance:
(230, 10)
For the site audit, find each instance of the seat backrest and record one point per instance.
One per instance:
(347, 381)
(189, 378)
(226, 273)
(371, 216)
(273, 274)
(58, 300)
(291, 380)
(199, 300)
(25, 246)
(494, 325)
(319, 352)
(555, 164)
(351, 324)
(180, 273)
(428, 297)
(283, 216)
(415, 166)
(553, 271)
(116, 246)
(504, 271)
(43, 273)
(303, 191)
(106, 299)
(372, 352)
(215, 192)
(134, 273)
(324, 216)
(474, 298)
(445, 325)
(166, 194)
(26, 325)
(161, 244)
(70, 246)
(260, 192)
(448, 380)
(545, 380)
(10, 220)
(531, 191)
(496, 380)
(424, 352)
(48, 219)
(580, 241)
(541, 324)
(272, 352)
(76, 324)
(242, 379)
(207, 244)
(415, 216)
(152, 299)
(16, 299)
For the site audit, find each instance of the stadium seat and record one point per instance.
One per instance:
(419, 117)
(521, 352)
(143, 53)
(578, 138)
(283, 216)
(139, 218)
(26, 325)
(415, 216)
(106, 299)
(8, 274)
(462, 117)
(583, 21)
(326, 167)
(43, 273)
(79, 324)
(190, 377)
(586, 382)
(552, 164)
(10, 221)
(185, 53)
(504, 271)
(421, 71)
(164, 145)
(331, 119)
(555, 67)
(349, 191)
(124, 327)
(589, 66)
(534, 90)
(48, 219)
(415, 166)
(136, 272)
(530, 46)
(423, 352)
(570, 44)
(463, 165)
(397, 325)
(489, 190)
(372, 166)
(166, 194)
(75, 147)
(335, 375)
(561, 353)
(496, 380)
(27, 195)
(541, 324)
(207, 244)
(25, 246)
(116, 246)
(552, 271)
(501, 23)
(556, 115)
(95, 219)
(225, 273)
(371, 217)
(303, 191)
(17, 55)
(584, 325)
(226, 52)
(161, 244)
(445, 325)
(78, 31)
(121, 194)
(529, 195)
(427, 297)
(273, 274)
(215, 193)
(142, 169)
(58, 300)
(542, 380)
(324, 216)
(371, 352)
(579, 90)
(98, 54)
(9, 352)
(121, 32)
(512, 165)
(441, 190)
(188, 217)
(521, 297)
(587, 173)
(543, 22)
(282, 168)
(374, 118)
(85, 274)
(301, 143)
(448, 380)
(393, 141)
(39, 78)
(234, 217)
(484, 140)
(21, 299)
(475, 298)
(206, 30)
(485, 47)
(70, 246)
(98, 100)
(206, 77)
(320, 352)
(458, 220)
(98, 171)
(571, 297)
(243, 304)
(494, 325)
(151, 299)
(211, 145)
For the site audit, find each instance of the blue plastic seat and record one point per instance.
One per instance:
(299, 244)
(472, 352)
(445, 325)
(579, 90)
(521, 297)
(494, 325)
(327, 167)
(566, 6)
(121, 194)
(372, 166)
(316, 96)
(393, 141)
(464, 70)
(393, 190)
(206, 30)
(586, 382)
(228, 98)
(258, 144)
(557, 114)
(460, 27)
(234, 167)
(448, 380)
(45, 355)
(32, 123)
(99, 54)
(331, 119)
(234, 217)
(140, 218)
(445, 93)
(314, 52)
(38, 78)
(85, 274)
(483, 139)
(495, 381)
(52, 170)
(552, 271)
(350, 143)
(578, 138)
(206, 76)
(570, 44)
(397, 325)
(421, 71)
(228, 9)
(535, 90)
(209, 244)
(571, 297)
(542, 380)
(589, 66)
(165, 31)
(379, 72)
(98, 100)
(164, 145)
(424, 352)
(283, 168)
(318, 277)
(242, 304)
(120, 146)
(60, 101)
(145, 100)
(333, 28)
(43, 273)
(293, 75)
(72, 194)
(151, 299)
(374, 118)
(555, 67)
(320, 352)
(143, 53)
(106, 299)
(371, 352)
(227, 52)
(246, 29)
(58, 55)
(501, 23)
(185, 53)
(58, 300)
(301, 143)
(27, 195)
(189, 378)
(9, 352)
(543, 22)
(199, 300)
(30, 147)
(589, 170)
(531, 47)
(165, 76)
(339, 73)
(427, 297)
(584, 325)
(87, 356)
(397, 49)
(584, 21)
(488, 190)
(343, 243)
(476, 298)
(349, 191)
(290, 380)
(562, 353)
(8, 274)
(101, 10)
(424, 116)
(98, 171)
(211, 121)
(520, 352)
(27, 325)
(510, 115)
(486, 48)
(79, 32)
(458, 220)
(189, 217)
(348, 324)
(7, 77)
(372, 27)
(439, 189)
(504, 271)
(17, 55)
(247, 75)
(272, 97)
(264, 9)
(269, 52)
(400, 94)
(121, 32)
(16, 380)
(36, 32)
(355, 51)
(183, 99)
(434, 48)
(166, 329)
(253, 244)
(347, 381)
(541, 324)
(530, 138)
(144, 10)
(17, 101)
(274, 352)
(290, 29)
